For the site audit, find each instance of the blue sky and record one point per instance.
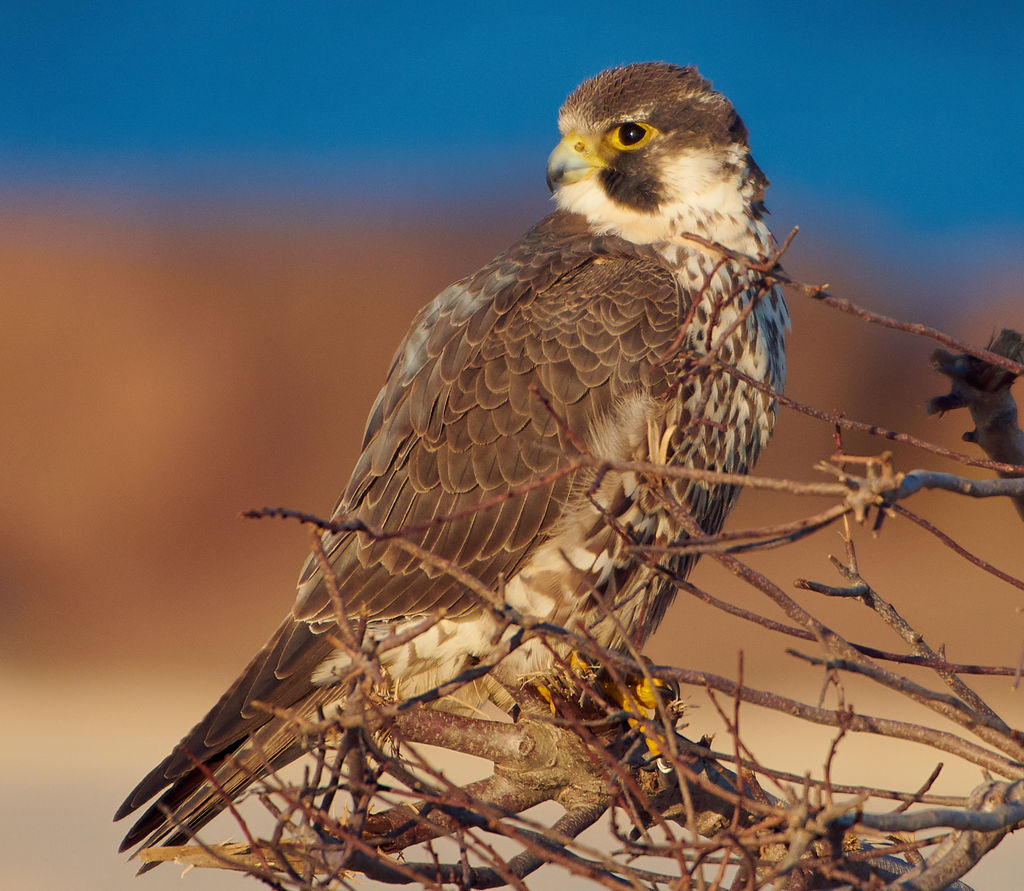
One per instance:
(911, 112)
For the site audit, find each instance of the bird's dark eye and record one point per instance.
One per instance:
(631, 134)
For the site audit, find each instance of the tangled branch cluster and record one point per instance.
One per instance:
(607, 738)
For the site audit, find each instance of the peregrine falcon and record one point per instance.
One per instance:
(627, 308)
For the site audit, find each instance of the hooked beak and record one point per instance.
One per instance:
(573, 159)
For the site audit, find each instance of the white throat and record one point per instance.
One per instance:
(706, 195)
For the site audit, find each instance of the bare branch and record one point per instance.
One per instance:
(600, 734)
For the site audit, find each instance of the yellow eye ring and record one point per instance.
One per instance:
(630, 135)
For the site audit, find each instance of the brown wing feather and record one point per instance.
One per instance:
(454, 425)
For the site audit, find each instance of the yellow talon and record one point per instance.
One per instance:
(639, 697)
(639, 693)
(546, 696)
(644, 692)
(578, 664)
(653, 747)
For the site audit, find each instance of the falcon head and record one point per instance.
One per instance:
(650, 151)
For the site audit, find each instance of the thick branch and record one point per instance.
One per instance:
(994, 810)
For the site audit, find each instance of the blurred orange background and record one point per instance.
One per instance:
(164, 370)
